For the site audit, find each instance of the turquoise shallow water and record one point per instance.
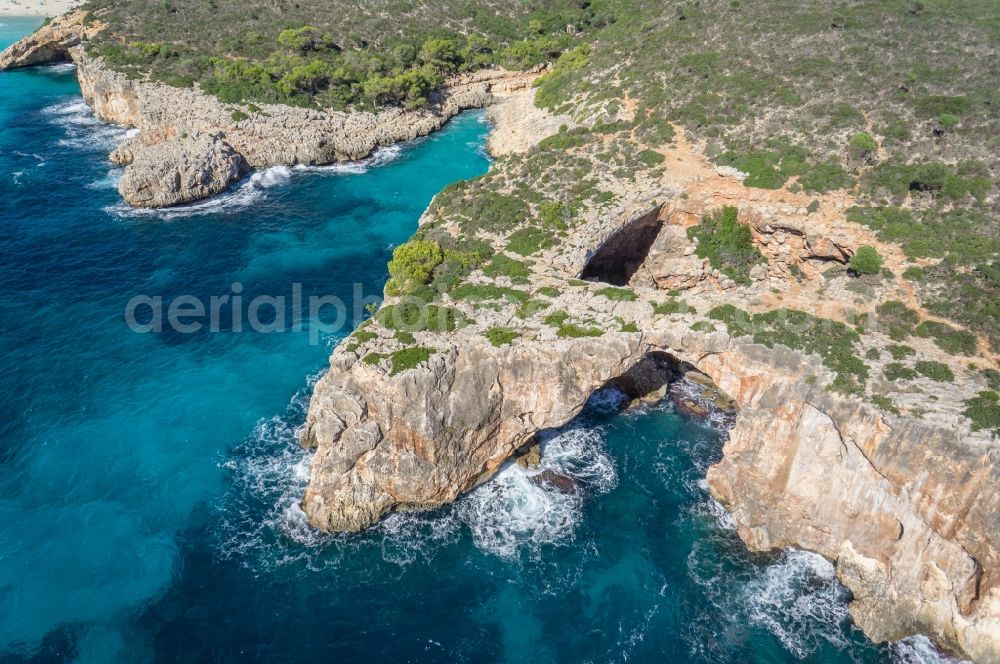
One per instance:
(148, 482)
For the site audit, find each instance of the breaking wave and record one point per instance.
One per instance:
(82, 130)
(252, 190)
(920, 650)
(513, 513)
(800, 601)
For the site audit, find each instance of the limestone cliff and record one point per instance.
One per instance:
(904, 502)
(169, 162)
(50, 43)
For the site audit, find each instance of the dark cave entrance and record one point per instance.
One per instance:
(619, 257)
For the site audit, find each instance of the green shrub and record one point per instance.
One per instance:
(949, 339)
(482, 292)
(873, 354)
(504, 266)
(992, 377)
(948, 121)
(497, 212)
(761, 168)
(498, 336)
(866, 260)
(239, 116)
(727, 244)
(702, 326)
(408, 358)
(573, 331)
(898, 371)
(900, 351)
(556, 318)
(936, 371)
(896, 319)
(372, 358)
(629, 327)
(549, 291)
(825, 176)
(360, 338)
(413, 264)
(673, 306)
(885, 403)
(404, 337)
(914, 273)
(527, 241)
(651, 157)
(862, 146)
(413, 317)
(531, 307)
(618, 294)
(984, 411)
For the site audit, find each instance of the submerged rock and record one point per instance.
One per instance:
(559, 482)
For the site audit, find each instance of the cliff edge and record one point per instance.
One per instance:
(430, 397)
(190, 146)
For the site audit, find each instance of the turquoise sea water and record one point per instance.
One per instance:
(148, 482)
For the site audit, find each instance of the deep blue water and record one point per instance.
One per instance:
(148, 482)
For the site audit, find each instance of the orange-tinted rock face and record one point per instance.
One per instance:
(909, 513)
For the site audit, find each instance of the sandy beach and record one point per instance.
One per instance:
(36, 7)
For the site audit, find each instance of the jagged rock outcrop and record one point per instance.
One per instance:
(904, 503)
(50, 43)
(420, 439)
(908, 511)
(179, 170)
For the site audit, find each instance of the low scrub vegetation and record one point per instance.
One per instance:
(727, 243)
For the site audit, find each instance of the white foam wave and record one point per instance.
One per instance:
(109, 181)
(800, 601)
(247, 193)
(607, 401)
(81, 128)
(61, 67)
(379, 158)
(512, 513)
(271, 177)
(251, 190)
(920, 650)
(713, 509)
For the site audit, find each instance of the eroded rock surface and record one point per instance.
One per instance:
(179, 170)
(50, 43)
(904, 502)
(269, 135)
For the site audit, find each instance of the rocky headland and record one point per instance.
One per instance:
(902, 499)
(190, 146)
(838, 446)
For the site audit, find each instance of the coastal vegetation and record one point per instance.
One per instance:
(312, 53)
(727, 243)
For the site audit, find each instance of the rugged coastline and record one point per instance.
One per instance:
(904, 503)
(188, 146)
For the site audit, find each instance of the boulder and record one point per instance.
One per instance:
(559, 482)
(180, 170)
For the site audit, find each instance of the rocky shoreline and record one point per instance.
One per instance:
(190, 146)
(905, 505)
(904, 502)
